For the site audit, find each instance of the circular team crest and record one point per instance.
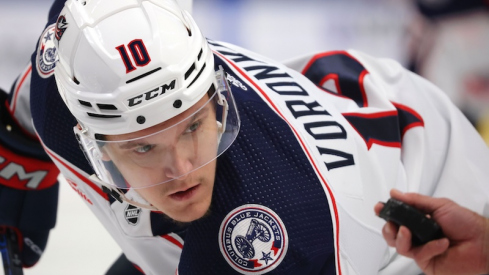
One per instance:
(253, 239)
(46, 53)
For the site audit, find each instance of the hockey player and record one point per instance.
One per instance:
(206, 158)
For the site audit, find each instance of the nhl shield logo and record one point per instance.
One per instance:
(253, 239)
(132, 213)
(46, 53)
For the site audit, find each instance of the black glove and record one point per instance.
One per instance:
(31, 214)
(28, 187)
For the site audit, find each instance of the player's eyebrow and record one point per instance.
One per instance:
(202, 112)
(131, 144)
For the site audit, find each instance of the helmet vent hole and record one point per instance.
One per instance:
(197, 76)
(141, 119)
(102, 115)
(189, 71)
(76, 81)
(200, 55)
(177, 104)
(106, 106)
(85, 103)
(189, 32)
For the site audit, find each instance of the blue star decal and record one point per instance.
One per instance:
(266, 257)
(47, 37)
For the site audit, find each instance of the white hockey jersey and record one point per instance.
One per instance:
(323, 139)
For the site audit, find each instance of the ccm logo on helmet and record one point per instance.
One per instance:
(133, 101)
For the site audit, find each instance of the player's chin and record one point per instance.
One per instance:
(189, 212)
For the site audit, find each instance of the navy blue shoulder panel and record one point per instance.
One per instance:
(52, 119)
(55, 10)
(54, 123)
(264, 166)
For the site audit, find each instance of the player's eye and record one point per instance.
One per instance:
(144, 148)
(193, 127)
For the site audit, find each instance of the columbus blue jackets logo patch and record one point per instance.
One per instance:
(46, 53)
(253, 239)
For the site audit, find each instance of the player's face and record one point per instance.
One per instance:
(170, 158)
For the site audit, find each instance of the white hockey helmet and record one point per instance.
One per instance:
(129, 66)
(122, 62)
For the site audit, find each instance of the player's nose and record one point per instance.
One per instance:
(177, 165)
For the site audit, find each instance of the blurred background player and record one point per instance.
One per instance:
(449, 41)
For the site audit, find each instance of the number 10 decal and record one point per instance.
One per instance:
(139, 55)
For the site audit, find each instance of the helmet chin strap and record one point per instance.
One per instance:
(131, 197)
